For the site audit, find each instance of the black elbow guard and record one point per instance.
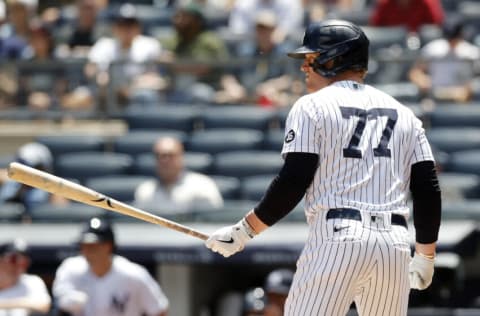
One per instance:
(427, 204)
(288, 188)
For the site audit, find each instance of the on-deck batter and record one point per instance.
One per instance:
(99, 282)
(354, 153)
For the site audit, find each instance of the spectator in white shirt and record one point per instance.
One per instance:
(446, 67)
(128, 60)
(176, 190)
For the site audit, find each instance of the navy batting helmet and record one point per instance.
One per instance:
(279, 281)
(341, 41)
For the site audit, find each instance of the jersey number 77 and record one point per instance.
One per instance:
(352, 150)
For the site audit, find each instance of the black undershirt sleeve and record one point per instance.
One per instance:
(427, 205)
(288, 187)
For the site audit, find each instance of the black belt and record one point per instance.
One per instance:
(351, 213)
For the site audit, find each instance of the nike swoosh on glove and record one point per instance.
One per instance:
(231, 239)
(421, 272)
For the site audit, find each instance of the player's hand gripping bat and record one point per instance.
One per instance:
(73, 191)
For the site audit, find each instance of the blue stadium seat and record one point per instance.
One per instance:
(170, 117)
(229, 187)
(467, 161)
(121, 188)
(242, 164)
(402, 91)
(232, 211)
(11, 212)
(84, 165)
(239, 116)
(461, 210)
(273, 140)
(219, 140)
(459, 186)
(72, 212)
(455, 115)
(62, 144)
(141, 141)
(450, 139)
(254, 187)
(385, 37)
(429, 32)
(5, 160)
(144, 164)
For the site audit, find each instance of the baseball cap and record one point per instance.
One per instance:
(254, 300)
(35, 155)
(453, 26)
(15, 246)
(194, 10)
(96, 230)
(279, 281)
(126, 13)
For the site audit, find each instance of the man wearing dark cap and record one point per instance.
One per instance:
(20, 293)
(99, 282)
(196, 52)
(135, 54)
(277, 285)
(445, 69)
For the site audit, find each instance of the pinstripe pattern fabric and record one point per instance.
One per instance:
(366, 142)
(375, 183)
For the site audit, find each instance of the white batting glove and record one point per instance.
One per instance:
(421, 272)
(231, 239)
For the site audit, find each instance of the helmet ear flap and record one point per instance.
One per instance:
(324, 68)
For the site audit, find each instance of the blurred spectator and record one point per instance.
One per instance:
(20, 293)
(277, 285)
(264, 79)
(15, 34)
(195, 49)
(81, 32)
(176, 190)
(37, 156)
(99, 282)
(41, 83)
(446, 67)
(409, 13)
(127, 61)
(254, 302)
(289, 14)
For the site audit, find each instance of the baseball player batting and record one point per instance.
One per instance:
(354, 152)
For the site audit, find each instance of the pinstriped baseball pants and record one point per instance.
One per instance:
(347, 261)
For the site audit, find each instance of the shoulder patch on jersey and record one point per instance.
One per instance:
(290, 136)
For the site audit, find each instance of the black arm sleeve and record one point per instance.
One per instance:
(427, 205)
(288, 187)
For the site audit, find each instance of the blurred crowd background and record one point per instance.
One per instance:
(178, 106)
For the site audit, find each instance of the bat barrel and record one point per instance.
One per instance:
(74, 191)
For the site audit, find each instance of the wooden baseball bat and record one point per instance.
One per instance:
(73, 191)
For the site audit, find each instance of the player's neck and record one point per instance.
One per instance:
(350, 75)
(102, 268)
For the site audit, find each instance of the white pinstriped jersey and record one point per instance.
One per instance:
(377, 138)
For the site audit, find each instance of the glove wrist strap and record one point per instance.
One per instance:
(430, 257)
(248, 229)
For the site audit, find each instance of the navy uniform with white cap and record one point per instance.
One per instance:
(37, 156)
(98, 282)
